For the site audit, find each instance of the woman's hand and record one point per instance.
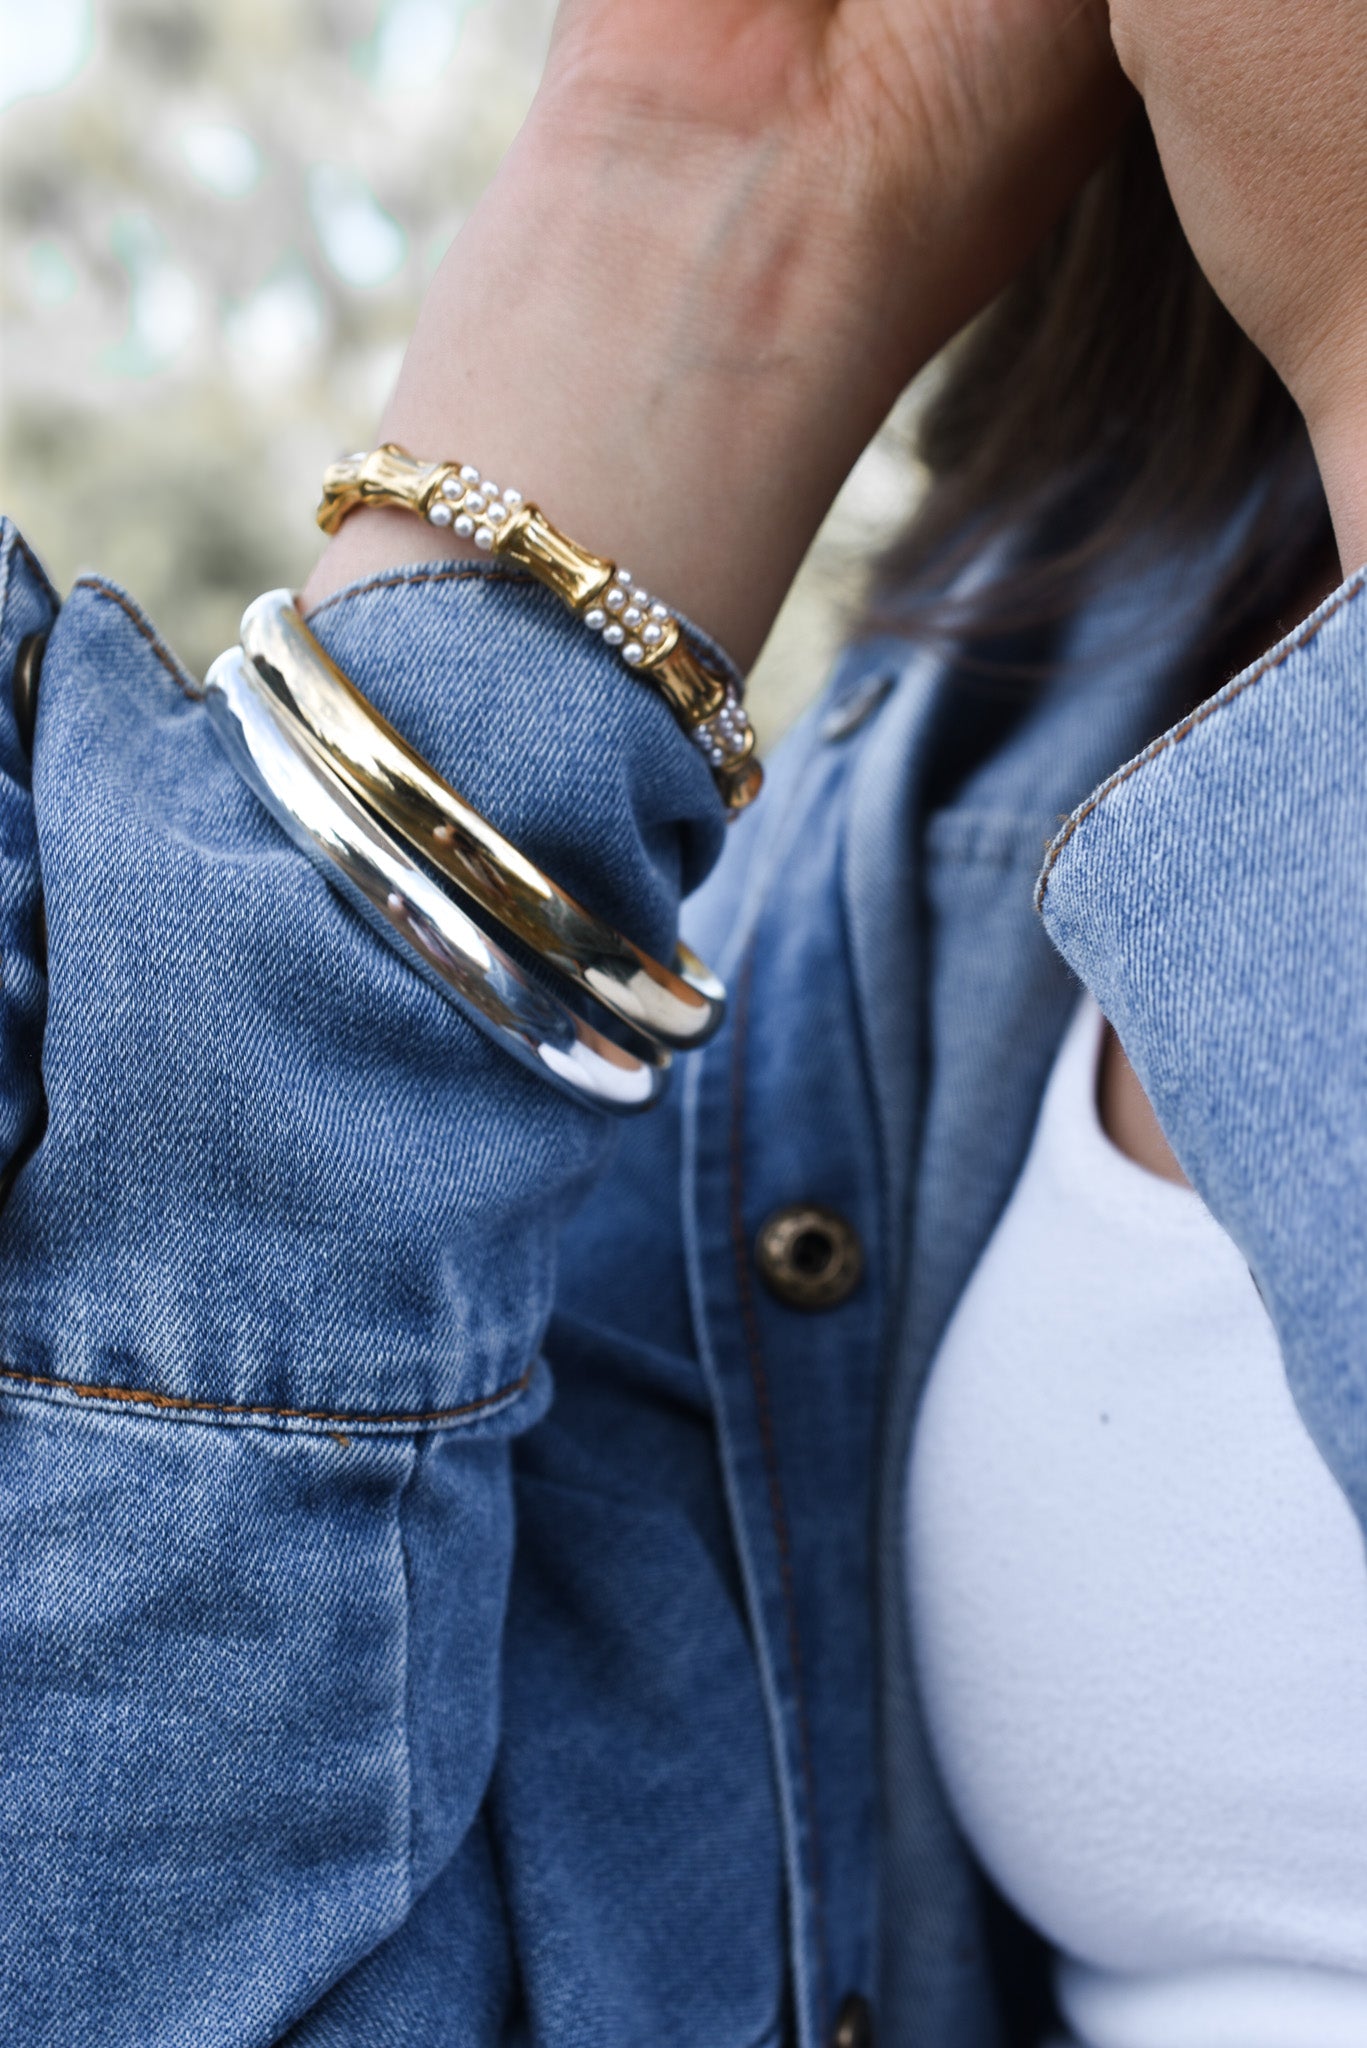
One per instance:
(728, 235)
(932, 138)
(1261, 118)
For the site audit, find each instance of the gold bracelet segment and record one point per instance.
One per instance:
(642, 630)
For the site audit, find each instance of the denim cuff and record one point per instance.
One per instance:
(282, 1181)
(581, 764)
(1213, 894)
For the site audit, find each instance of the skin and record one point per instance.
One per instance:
(1127, 1115)
(1261, 119)
(731, 233)
(1260, 114)
(727, 236)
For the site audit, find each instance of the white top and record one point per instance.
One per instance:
(1139, 1603)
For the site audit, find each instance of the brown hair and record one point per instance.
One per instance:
(1106, 402)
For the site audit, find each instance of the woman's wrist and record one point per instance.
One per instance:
(679, 358)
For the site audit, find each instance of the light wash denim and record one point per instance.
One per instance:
(352, 1693)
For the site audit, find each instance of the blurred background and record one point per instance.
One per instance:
(218, 218)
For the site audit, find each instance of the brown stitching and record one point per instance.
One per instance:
(764, 1407)
(191, 1404)
(1265, 667)
(178, 673)
(447, 572)
(40, 573)
(439, 572)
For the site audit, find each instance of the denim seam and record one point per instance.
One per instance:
(191, 1404)
(175, 668)
(777, 1510)
(763, 1647)
(40, 575)
(984, 857)
(1271, 662)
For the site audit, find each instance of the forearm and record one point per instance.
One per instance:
(648, 348)
(713, 258)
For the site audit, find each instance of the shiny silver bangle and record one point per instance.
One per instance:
(674, 1007)
(407, 907)
(378, 821)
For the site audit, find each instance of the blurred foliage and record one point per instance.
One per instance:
(219, 217)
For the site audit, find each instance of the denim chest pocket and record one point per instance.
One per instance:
(271, 1177)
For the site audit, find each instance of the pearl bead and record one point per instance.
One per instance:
(660, 612)
(465, 526)
(596, 619)
(623, 576)
(614, 636)
(633, 616)
(440, 514)
(496, 514)
(476, 501)
(484, 538)
(653, 635)
(615, 599)
(641, 598)
(513, 499)
(469, 475)
(633, 652)
(453, 488)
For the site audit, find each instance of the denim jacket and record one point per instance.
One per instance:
(355, 1692)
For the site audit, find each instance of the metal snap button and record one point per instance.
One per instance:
(853, 2023)
(809, 1257)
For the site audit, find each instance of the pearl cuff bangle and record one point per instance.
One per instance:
(643, 631)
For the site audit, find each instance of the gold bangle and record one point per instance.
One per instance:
(674, 1007)
(408, 908)
(454, 496)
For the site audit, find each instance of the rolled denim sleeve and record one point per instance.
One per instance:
(274, 1276)
(1213, 894)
